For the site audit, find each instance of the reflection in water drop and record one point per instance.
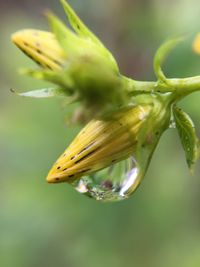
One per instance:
(129, 181)
(172, 124)
(114, 183)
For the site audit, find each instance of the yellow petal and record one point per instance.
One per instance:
(41, 46)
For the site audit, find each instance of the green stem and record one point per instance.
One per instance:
(183, 87)
(134, 87)
(179, 87)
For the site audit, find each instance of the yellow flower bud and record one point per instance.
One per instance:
(42, 47)
(101, 143)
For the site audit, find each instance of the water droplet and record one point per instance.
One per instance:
(114, 183)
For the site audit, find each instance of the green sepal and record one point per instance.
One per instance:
(43, 93)
(161, 54)
(82, 30)
(155, 124)
(99, 89)
(66, 38)
(187, 134)
(73, 45)
(59, 78)
(79, 27)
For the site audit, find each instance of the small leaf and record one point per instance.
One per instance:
(161, 55)
(189, 140)
(43, 93)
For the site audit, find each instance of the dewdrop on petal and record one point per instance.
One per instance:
(109, 157)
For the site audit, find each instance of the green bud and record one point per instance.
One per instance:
(76, 61)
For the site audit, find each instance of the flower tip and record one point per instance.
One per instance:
(65, 4)
(50, 178)
(58, 175)
(49, 14)
(53, 176)
(24, 38)
(17, 37)
(40, 46)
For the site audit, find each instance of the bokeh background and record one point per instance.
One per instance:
(52, 225)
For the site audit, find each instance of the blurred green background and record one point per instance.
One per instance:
(52, 225)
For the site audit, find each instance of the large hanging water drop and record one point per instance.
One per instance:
(113, 183)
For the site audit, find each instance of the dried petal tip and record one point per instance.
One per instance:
(40, 46)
